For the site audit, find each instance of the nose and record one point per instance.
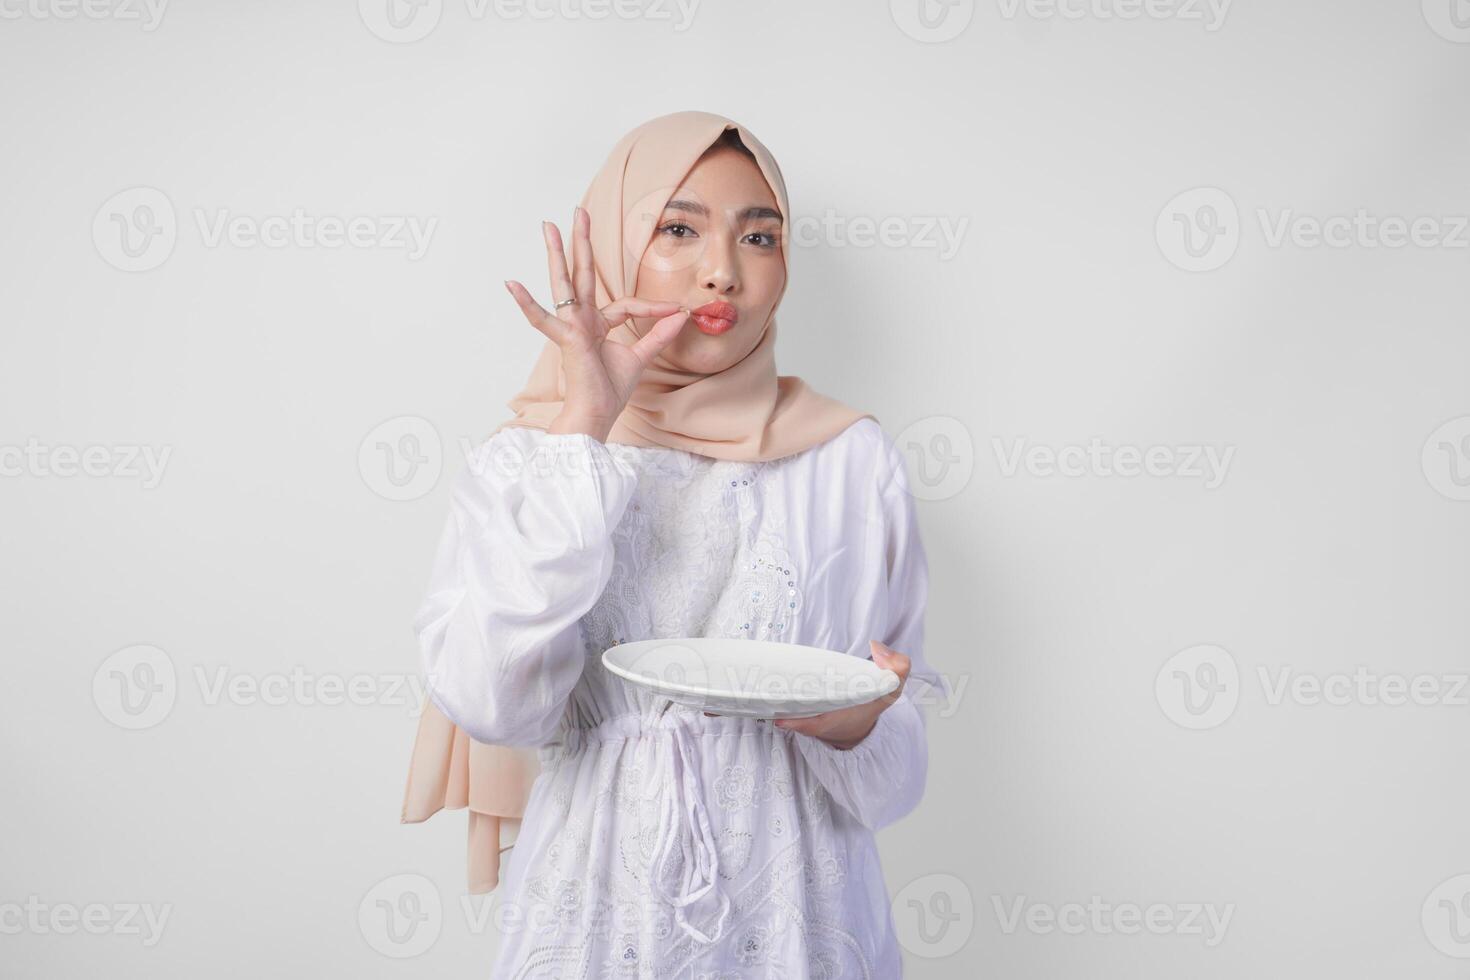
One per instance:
(719, 269)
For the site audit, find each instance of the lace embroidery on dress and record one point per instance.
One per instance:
(720, 567)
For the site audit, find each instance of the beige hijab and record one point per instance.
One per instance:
(745, 412)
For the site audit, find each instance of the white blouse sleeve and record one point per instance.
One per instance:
(525, 553)
(882, 778)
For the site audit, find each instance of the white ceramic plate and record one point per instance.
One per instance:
(750, 678)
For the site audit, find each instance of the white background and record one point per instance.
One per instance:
(1060, 141)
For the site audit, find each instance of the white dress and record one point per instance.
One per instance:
(658, 841)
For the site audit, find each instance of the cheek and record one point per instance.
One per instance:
(670, 260)
(765, 281)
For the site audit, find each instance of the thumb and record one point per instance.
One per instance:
(659, 336)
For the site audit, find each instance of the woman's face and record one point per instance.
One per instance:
(718, 241)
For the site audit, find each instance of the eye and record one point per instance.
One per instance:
(763, 239)
(676, 229)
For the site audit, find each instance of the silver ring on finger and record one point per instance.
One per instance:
(565, 302)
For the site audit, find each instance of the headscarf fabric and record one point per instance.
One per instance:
(745, 412)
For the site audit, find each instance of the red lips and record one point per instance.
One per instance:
(715, 318)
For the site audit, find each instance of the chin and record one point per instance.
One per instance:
(697, 363)
(704, 354)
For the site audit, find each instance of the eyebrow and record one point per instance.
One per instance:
(746, 214)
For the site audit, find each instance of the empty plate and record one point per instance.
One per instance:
(750, 678)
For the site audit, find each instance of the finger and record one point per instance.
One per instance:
(556, 263)
(806, 726)
(584, 276)
(890, 659)
(539, 318)
(661, 336)
(619, 310)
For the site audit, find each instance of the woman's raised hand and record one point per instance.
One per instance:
(601, 373)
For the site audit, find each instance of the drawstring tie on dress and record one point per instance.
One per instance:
(684, 823)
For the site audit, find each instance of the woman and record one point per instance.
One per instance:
(660, 480)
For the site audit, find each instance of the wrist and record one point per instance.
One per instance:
(575, 422)
(849, 742)
(850, 736)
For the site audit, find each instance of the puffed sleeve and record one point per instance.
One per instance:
(525, 554)
(882, 778)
